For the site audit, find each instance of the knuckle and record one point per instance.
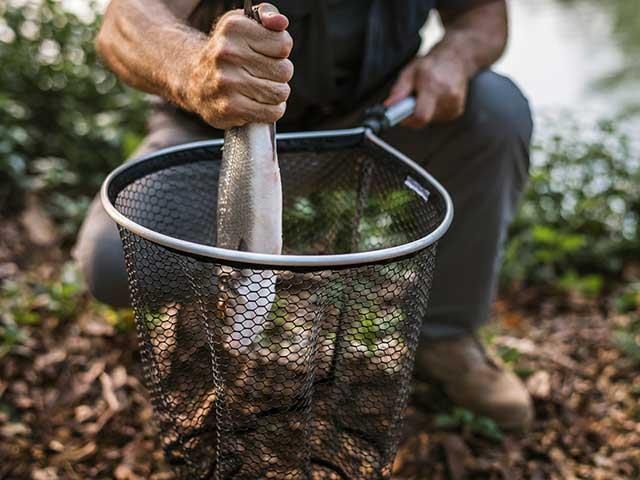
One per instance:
(286, 45)
(276, 113)
(224, 50)
(286, 70)
(225, 107)
(421, 117)
(450, 93)
(220, 80)
(286, 91)
(230, 23)
(281, 92)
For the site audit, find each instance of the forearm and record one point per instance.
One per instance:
(476, 36)
(147, 45)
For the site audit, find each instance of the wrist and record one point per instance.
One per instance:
(456, 50)
(180, 73)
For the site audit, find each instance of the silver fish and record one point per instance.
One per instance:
(249, 219)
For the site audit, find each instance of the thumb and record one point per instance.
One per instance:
(403, 87)
(271, 18)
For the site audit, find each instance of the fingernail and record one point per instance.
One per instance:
(270, 14)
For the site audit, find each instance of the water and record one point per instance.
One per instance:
(581, 56)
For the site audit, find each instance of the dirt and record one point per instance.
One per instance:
(72, 405)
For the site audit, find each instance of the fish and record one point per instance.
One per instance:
(249, 219)
(250, 191)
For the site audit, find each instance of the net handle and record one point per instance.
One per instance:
(380, 118)
(400, 111)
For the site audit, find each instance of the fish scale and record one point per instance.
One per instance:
(250, 191)
(249, 219)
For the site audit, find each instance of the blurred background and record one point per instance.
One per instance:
(567, 318)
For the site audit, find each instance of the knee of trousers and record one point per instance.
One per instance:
(499, 122)
(498, 111)
(99, 254)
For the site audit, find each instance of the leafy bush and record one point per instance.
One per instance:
(579, 224)
(64, 119)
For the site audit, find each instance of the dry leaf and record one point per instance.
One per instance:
(39, 227)
(456, 452)
(539, 384)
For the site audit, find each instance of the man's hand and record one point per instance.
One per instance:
(440, 87)
(236, 75)
(241, 74)
(475, 38)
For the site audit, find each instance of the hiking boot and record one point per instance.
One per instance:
(474, 381)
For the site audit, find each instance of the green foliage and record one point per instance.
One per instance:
(580, 219)
(25, 302)
(629, 299)
(327, 217)
(122, 319)
(467, 421)
(628, 341)
(627, 338)
(508, 355)
(64, 119)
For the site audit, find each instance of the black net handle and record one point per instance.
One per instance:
(380, 118)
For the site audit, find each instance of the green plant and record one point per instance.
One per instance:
(24, 302)
(627, 340)
(467, 421)
(579, 223)
(628, 300)
(64, 119)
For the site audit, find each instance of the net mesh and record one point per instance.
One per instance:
(284, 373)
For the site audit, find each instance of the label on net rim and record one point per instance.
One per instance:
(417, 188)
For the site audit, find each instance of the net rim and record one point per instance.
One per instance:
(234, 256)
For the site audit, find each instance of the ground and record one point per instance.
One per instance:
(72, 404)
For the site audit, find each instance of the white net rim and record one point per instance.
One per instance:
(285, 261)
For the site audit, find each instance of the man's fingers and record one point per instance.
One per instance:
(425, 108)
(255, 112)
(239, 29)
(271, 18)
(271, 44)
(263, 91)
(259, 66)
(238, 110)
(403, 87)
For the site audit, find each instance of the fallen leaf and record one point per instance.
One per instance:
(14, 429)
(80, 453)
(124, 472)
(456, 452)
(40, 229)
(49, 473)
(539, 384)
(53, 357)
(108, 392)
